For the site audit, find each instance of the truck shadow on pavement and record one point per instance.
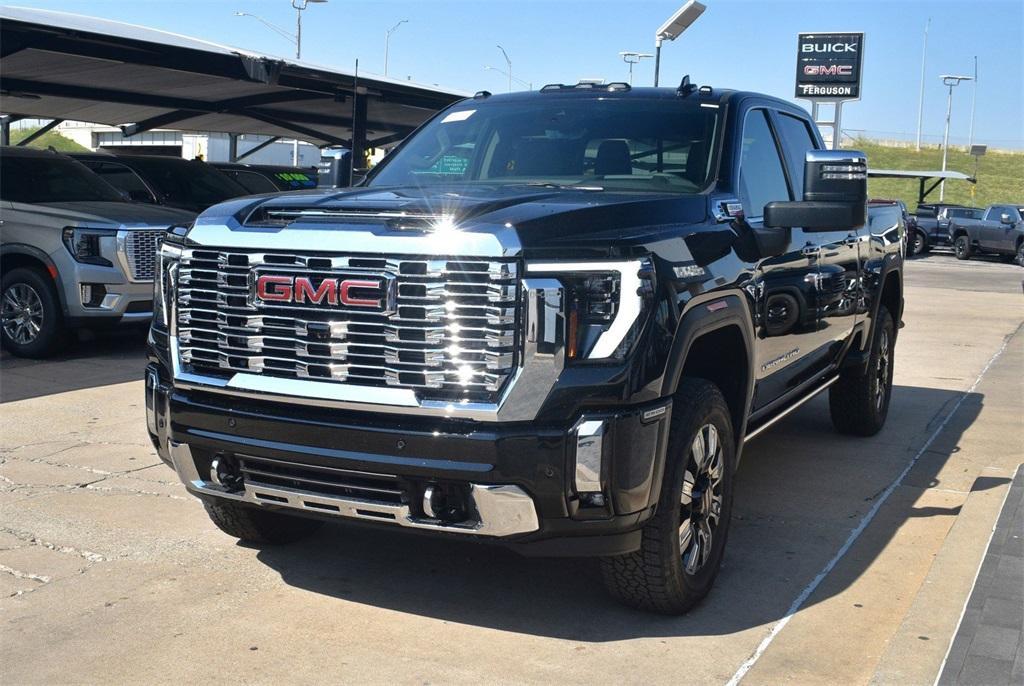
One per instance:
(100, 359)
(801, 490)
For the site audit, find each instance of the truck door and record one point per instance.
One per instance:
(784, 287)
(994, 234)
(836, 254)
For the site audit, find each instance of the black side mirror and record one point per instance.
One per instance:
(835, 194)
(1005, 218)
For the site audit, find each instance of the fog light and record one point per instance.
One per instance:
(92, 294)
(589, 458)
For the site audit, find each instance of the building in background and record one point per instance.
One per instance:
(212, 147)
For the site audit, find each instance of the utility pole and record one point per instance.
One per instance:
(387, 42)
(920, 99)
(508, 62)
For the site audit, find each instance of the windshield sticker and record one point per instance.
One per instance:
(461, 115)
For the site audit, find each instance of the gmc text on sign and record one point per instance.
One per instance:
(828, 65)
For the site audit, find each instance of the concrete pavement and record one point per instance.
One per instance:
(110, 572)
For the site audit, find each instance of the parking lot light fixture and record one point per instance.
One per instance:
(673, 28)
(387, 42)
(632, 58)
(270, 25)
(950, 81)
(528, 84)
(508, 62)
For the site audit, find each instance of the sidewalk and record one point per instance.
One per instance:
(989, 645)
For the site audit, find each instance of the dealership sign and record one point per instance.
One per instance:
(828, 65)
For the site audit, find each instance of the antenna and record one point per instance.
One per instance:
(685, 87)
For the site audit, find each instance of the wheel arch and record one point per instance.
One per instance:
(714, 341)
(15, 255)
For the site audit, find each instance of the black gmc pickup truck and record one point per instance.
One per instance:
(549, 320)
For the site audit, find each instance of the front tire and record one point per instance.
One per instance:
(684, 542)
(859, 402)
(918, 244)
(31, 322)
(962, 248)
(254, 525)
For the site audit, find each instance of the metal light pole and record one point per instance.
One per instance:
(632, 58)
(673, 28)
(950, 81)
(299, 5)
(974, 102)
(528, 84)
(920, 98)
(509, 63)
(387, 42)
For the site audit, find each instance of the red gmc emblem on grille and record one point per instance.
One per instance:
(332, 291)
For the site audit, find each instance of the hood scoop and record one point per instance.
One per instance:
(277, 216)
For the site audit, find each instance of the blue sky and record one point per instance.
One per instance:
(748, 45)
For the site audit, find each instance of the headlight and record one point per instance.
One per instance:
(167, 259)
(85, 244)
(605, 304)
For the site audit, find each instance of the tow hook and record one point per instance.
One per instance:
(224, 472)
(445, 504)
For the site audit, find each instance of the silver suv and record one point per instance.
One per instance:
(74, 252)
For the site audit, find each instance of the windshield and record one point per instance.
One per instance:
(609, 144)
(187, 182)
(51, 179)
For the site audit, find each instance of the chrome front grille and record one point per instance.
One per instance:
(140, 251)
(452, 334)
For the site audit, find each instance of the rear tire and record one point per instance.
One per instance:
(962, 247)
(31, 321)
(859, 402)
(254, 525)
(684, 542)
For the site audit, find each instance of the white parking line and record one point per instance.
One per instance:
(855, 534)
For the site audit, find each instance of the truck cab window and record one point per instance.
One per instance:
(797, 139)
(762, 179)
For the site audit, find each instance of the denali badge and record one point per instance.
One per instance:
(370, 292)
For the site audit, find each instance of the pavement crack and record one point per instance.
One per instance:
(33, 539)
(18, 574)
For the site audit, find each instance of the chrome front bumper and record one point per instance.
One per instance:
(498, 510)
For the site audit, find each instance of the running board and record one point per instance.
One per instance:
(756, 432)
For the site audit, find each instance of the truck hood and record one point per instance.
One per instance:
(541, 216)
(128, 214)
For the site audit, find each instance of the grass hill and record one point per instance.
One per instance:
(48, 139)
(1000, 174)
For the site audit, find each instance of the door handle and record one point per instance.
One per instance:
(810, 250)
(853, 240)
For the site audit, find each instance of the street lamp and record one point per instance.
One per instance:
(528, 84)
(298, 5)
(632, 58)
(509, 63)
(949, 80)
(387, 42)
(673, 28)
